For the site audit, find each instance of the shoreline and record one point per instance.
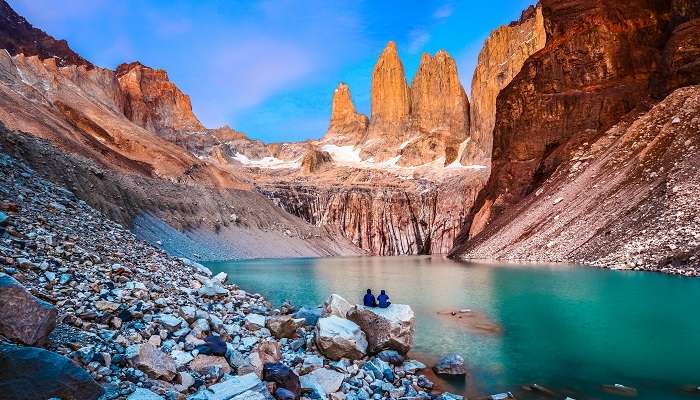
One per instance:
(132, 321)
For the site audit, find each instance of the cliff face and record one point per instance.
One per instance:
(501, 58)
(391, 96)
(18, 36)
(81, 110)
(153, 102)
(384, 220)
(596, 67)
(347, 126)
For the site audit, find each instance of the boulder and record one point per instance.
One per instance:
(210, 365)
(337, 338)
(283, 376)
(323, 381)
(390, 328)
(232, 388)
(143, 394)
(380, 369)
(215, 345)
(393, 357)
(34, 373)
(284, 326)
(336, 305)
(253, 322)
(451, 364)
(23, 317)
(311, 315)
(212, 288)
(154, 362)
(265, 352)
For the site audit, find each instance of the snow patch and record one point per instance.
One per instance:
(268, 162)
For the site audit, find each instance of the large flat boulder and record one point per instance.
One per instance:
(246, 386)
(337, 338)
(24, 318)
(391, 328)
(33, 373)
(322, 381)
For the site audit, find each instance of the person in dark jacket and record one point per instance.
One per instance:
(369, 300)
(383, 300)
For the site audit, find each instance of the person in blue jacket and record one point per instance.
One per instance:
(383, 300)
(369, 300)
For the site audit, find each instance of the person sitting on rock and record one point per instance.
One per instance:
(369, 300)
(383, 300)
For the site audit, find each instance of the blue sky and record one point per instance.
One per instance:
(268, 68)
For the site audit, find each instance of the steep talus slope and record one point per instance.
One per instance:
(629, 199)
(18, 36)
(581, 171)
(153, 102)
(500, 60)
(126, 142)
(196, 221)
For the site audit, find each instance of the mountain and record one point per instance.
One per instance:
(410, 126)
(153, 102)
(18, 36)
(603, 66)
(503, 54)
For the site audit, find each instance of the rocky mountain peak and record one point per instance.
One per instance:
(347, 126)
(154, 102)
(18, 36)
(438, 100)
(391, 96)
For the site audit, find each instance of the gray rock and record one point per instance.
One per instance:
(393, 357)
(451, 364)
(338, 338)
(322, 380)
(380, 369)
(212, 288)
(254, 321)
(229, 388)
(413, 366)
(23, 317)
(143, 394)
(311, 315)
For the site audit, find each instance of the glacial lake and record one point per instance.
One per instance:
(568, 328)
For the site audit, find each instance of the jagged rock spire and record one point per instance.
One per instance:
(391, 96)
(438, 98)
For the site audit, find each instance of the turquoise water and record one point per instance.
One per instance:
(568, 328)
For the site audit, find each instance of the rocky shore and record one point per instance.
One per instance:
(88, 311)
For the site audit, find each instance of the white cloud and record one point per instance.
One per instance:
(444, 11)
(417, 39)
